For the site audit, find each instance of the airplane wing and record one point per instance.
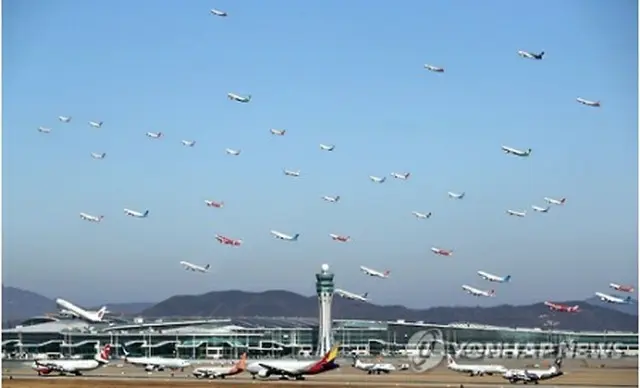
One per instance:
(279, 371)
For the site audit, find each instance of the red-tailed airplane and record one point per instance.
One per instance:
(562, 307)
(440, 251)
(621, 287)
(228, 241)
(340, 238)
(214, 203)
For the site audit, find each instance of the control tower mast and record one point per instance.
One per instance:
(324, 289)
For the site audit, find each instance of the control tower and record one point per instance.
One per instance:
(324, 289)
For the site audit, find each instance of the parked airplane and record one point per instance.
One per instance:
(494, 278)
(75, 367)
(325, 147)
(350, 295)
(95, 124)
(555, 201)
(516, 213)
(404, 176)
(89, 217)
(218, 12)
(238, 98)
(534, 375)
(228, 241)
(215, 204)
(372, 368)
(293, 368)
(476, 292)
(154, 135)
(188, 143)
(377, 179)
(233, 152)
(136, 214)
(44, 129)
(516, 152)
(195, 268)
(613, 299)
(156, 363)
(291, 173)
(96, 155)
(279, 132)
(455, 195)
(90, 316)
(541, 209)
(440, 251)
(285, 237)
(434, 68)
(474, 370)
(64, 119)
(620, 287)
(530, 55)
(373, 272)
(595, 104)
(562, 307)
(331, 199)
(337, 237)
(213, 372)
(421, 215)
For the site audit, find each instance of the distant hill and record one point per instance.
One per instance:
(284, 303)
(631, 309)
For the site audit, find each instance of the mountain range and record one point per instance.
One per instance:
(18, 304)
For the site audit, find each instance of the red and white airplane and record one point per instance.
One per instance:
(215, 204)
(75, 367)
(154, 135)
(562, 307)
(595, 104)
(404, 176)
(228, 241)
(337, 237)
(443, 252)
(621, 287)
(278, 132)
(373, 272)
(475, 292)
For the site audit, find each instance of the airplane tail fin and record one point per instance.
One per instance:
(461, 195)
(365, 294)
(563, 200)
(332, 354)
(628, 299)
(429, 215)
(337, 198)
(386, 273)
(541, 54)
(207, 266)
(450, 360)
(507, 278)
(383, 179)
(242, 363)
(146, 213)
(296, 236)
(102, 355)
(159, 134)
(249, 97)
(529, 151)
(407, 175)
(492, 292)
(124, 350)
(102, 311)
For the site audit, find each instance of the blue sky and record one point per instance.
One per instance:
(349, 74)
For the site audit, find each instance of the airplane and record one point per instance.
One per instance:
(156, 363)
(372, 368)
(154, 135)
(228, 241)
(421, 215)
(555, 201)
(195, 268)
(44, 130)
(516, 152)
(404, 176)
(373, 272)
(435, 69)
(90, 316)
(89, 217)
(494, 278)
(95, 124)
(534, 375)
(352, 296)
(64, 119)
(75, 367)
(337, 237)
(613, 299)
(215, 204)
(136, 214)
(456, 196)
(440, 251)
(529, 55)
(325, 147)
(474, 370)
(285, 237)
(233, 152)
(331, 199)
(188, 143)
(377, 179)
(562, 307)
(218, 12)
(517, 214)
(235, 97)
(293, 368)
(291, 173)
(619, 287)
(595, 104)
(476, 292)
(278, 132)
(222, 372)
(541, 209)
(96, 155)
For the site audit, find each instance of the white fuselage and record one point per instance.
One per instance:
(554, 201)
(421, 215)
(89, 217)
(278, 132)
(95, 124)
(154, 135)
(238, 98)
(611, 299)
(232, 152)
(434, 68)
(490, 277)
(476, 370)
(292, 367)
(282, 236)
(67, 366)
(515, 213)
(292, 173)
(404, 176)
(540, 209)
(475, 291)
(93, 317)
(377, 179)
(158, 363)
(64, 119)
(531, 374)
(96, 155)
(136, 214)
(350, 295)
(374, 368)
(528, 55)
(192, 267)
(218, 13)
(325, 147)
(588, 102)
(44, 129)
(373, 272)
(515, 151)
(455, 195)
(331, 199)
(188, 143)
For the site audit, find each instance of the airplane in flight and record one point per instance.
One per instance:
(476, 292)
(214, 372)
(435, 69)
(404, 176)
(96, 155)
(44, 130)
(278, 132)
(541, 209)
(494, 278)
(620, 287)
(228, 241)
(455, 195)
(136, 214)
(440, 251)
(331, 199)
(475, 370)
(326, 147)
(89, 316)
(516, 213)
(75, 367)
(295, 369)
(613, 299)
(291, 173)
(371, 367)
(238, 98)
(377, 179)
(534, 375)
(95, 124)
(516, 152)
(286, 237)
(373, 272)
(530, 55)
(188, 143)
(64, 119)
(156, 363)
(233, 152)
(218, 12)
(562, 307)
(154, 135)
(421, 215)
(215, 204)
(89, 217)
(351, 295)
(555, 201)
(595, 104)
(337, 237)
(195, 268)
